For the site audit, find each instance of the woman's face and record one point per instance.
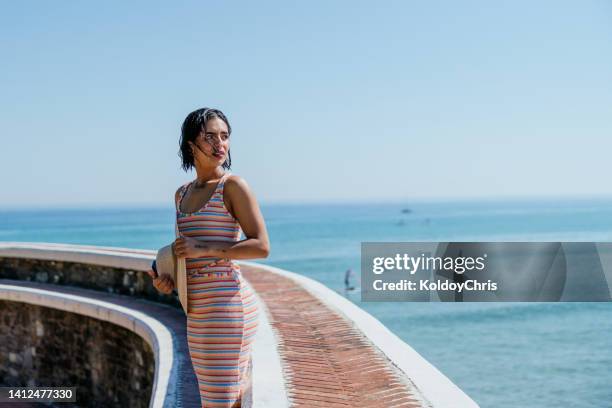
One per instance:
(212, 145)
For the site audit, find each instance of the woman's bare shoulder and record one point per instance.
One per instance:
(235, 183)
(237, 193)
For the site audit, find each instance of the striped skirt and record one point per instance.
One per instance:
(221, 325)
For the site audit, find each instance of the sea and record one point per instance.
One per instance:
(501, 354)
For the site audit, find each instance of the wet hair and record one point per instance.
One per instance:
(193, 124)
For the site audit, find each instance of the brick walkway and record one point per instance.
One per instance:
(327, 362)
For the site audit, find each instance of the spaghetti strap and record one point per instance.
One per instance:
(222, 182)
(178, 200)
(219, 191)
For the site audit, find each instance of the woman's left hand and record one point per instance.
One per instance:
(185, 247)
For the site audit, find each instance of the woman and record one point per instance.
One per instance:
(211, 210)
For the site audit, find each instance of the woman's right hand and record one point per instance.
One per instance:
(163, 283)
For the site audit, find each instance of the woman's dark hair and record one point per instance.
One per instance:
(193, 124)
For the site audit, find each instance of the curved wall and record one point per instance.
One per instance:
(119, 280)
(117, 369)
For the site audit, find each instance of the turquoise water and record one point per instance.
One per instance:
(502, 354)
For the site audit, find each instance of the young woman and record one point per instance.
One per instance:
(211, 210)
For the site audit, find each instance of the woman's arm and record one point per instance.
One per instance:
(241, 203)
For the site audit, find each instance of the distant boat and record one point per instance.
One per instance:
(406, 211)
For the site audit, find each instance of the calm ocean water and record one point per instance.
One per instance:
(501, 354)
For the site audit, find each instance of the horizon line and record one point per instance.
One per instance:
(265, 203)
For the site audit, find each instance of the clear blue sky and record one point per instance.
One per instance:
(329, 101)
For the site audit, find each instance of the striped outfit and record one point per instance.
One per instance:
(222, 313)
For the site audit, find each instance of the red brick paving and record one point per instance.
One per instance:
(327, 362)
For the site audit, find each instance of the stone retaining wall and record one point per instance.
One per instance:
(96, 277)
(109, 365)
